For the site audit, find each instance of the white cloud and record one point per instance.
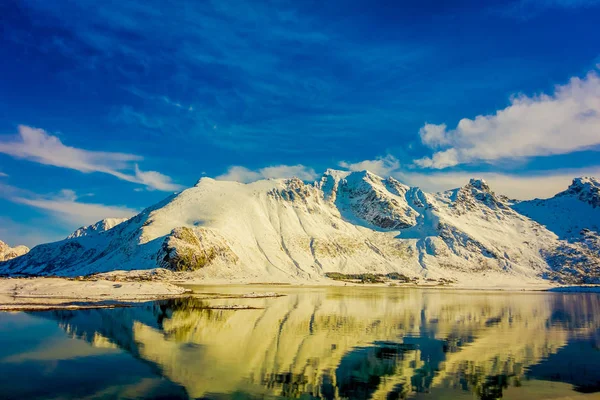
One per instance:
(65, 205)
(381, 166)
(522, 187)
(433, 136)
(2, 174)
(240, 174)
(79, 213)
(155, 180)
(245, 175)
(39, 146)
(561, 123)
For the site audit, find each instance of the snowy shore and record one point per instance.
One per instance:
(117, 289)
(17, 294)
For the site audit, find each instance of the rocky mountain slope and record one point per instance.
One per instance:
(349, 223)
(8, 253)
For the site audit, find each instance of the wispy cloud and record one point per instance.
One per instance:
(155, 180)
(39, 146)
(561, 123)
(162, 98)
(527, 9)
(2, 174)
(65, 205)
(245, 175)
(381, 166)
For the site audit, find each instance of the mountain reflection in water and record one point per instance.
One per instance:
(358, 343)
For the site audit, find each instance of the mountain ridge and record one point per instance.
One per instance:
(344, 222)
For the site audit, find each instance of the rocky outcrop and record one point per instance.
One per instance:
(190, 249)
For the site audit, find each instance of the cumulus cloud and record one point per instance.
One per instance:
(37, 145)
(381, 166)
(66, 205)
(544, 125)
(433, 136)
(245, 175)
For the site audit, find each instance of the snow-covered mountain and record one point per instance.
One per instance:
(8, 253)
(286, 230)
(574, 216)
(567, 213)
(98, 227)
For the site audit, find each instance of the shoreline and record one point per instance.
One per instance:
(41, 294)
(52, 293)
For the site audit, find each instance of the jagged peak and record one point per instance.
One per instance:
(478, 190)
(336, 174)
(479, 184)
(394, 180)
(586, 188)
(348, 179)
(583, 183)
(364, 175)
(341, 174)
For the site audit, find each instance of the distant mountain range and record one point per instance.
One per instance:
(345, 222)
(8, 253)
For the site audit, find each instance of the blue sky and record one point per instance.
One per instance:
(107, 108)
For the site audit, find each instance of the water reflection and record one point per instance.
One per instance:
(360, 343)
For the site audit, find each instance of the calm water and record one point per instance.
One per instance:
(387, 343)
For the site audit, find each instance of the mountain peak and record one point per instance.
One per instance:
(480, 184)
(342, 174)
(336, 173)
(583, 183)
(203, 179)
(365, 174)
(477, 191)
(587, 189)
